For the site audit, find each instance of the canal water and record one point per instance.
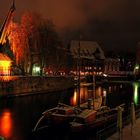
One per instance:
(18, 115)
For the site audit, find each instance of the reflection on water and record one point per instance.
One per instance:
(116, 94)
(74, 98)
(135, 97)
(6, 124)
(85, 93)
(99, 91)
(18, 115)
(27, 109)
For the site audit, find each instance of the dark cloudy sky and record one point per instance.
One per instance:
(113, 23)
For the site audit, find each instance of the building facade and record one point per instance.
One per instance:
(88, 57)
(111, 65)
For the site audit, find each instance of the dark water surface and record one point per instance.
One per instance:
(18, 115)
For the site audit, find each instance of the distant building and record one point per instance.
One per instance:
(88, 55)
(111, 65)
(138, 53)
(137, 65)
(121, 64)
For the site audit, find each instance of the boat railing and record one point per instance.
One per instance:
(62, 104)
(48, 110)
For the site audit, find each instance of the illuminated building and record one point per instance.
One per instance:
(5, 61)
(91, 57)
(111, 65)
(5, 65)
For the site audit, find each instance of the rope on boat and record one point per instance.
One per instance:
(64, 104)
(35, 128)
(49, 110)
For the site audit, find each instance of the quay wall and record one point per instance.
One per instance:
(34, 84)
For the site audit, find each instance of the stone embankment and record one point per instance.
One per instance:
(33, 84)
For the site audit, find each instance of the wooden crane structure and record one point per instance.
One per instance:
(5, 61)
(4, 28)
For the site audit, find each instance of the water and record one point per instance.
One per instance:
(18, 115)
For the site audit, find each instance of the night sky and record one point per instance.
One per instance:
(114, 24)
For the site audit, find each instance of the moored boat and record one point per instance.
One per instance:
(56, 116)
(96, 120)
(95, 104)
(85, 117)
(62, 114)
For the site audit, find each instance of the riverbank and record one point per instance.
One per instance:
(24, 85)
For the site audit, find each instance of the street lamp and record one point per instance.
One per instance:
(136, 70)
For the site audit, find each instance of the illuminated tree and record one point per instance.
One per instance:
(21, 40)
(29, 24)
(18, 45)
(35, 42)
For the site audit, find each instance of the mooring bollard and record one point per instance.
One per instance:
(89, 103)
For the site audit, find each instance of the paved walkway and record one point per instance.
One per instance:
(126, 132)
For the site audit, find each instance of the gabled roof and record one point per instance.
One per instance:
(3, 57)
(87, 49)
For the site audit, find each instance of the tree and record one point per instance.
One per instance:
(35, 41)
(18, 43)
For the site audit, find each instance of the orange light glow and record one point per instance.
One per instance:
(5, 67)
(83, 95)
(99, 91)
(74, 98)
(7, 78)
(6, 124)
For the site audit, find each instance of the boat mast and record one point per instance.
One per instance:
(94, 89)
(78, 69)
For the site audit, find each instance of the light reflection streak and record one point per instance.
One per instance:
(74, 98)
(83, 96)
(6, 124)
(85, 93)
(135, 96)
(99, 91)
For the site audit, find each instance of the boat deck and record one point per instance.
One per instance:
(96, 105)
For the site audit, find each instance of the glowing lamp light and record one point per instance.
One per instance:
(5, 67)
(105, 75)
(5, 63)
(36, 70)
(136, 67)
(104, 93)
